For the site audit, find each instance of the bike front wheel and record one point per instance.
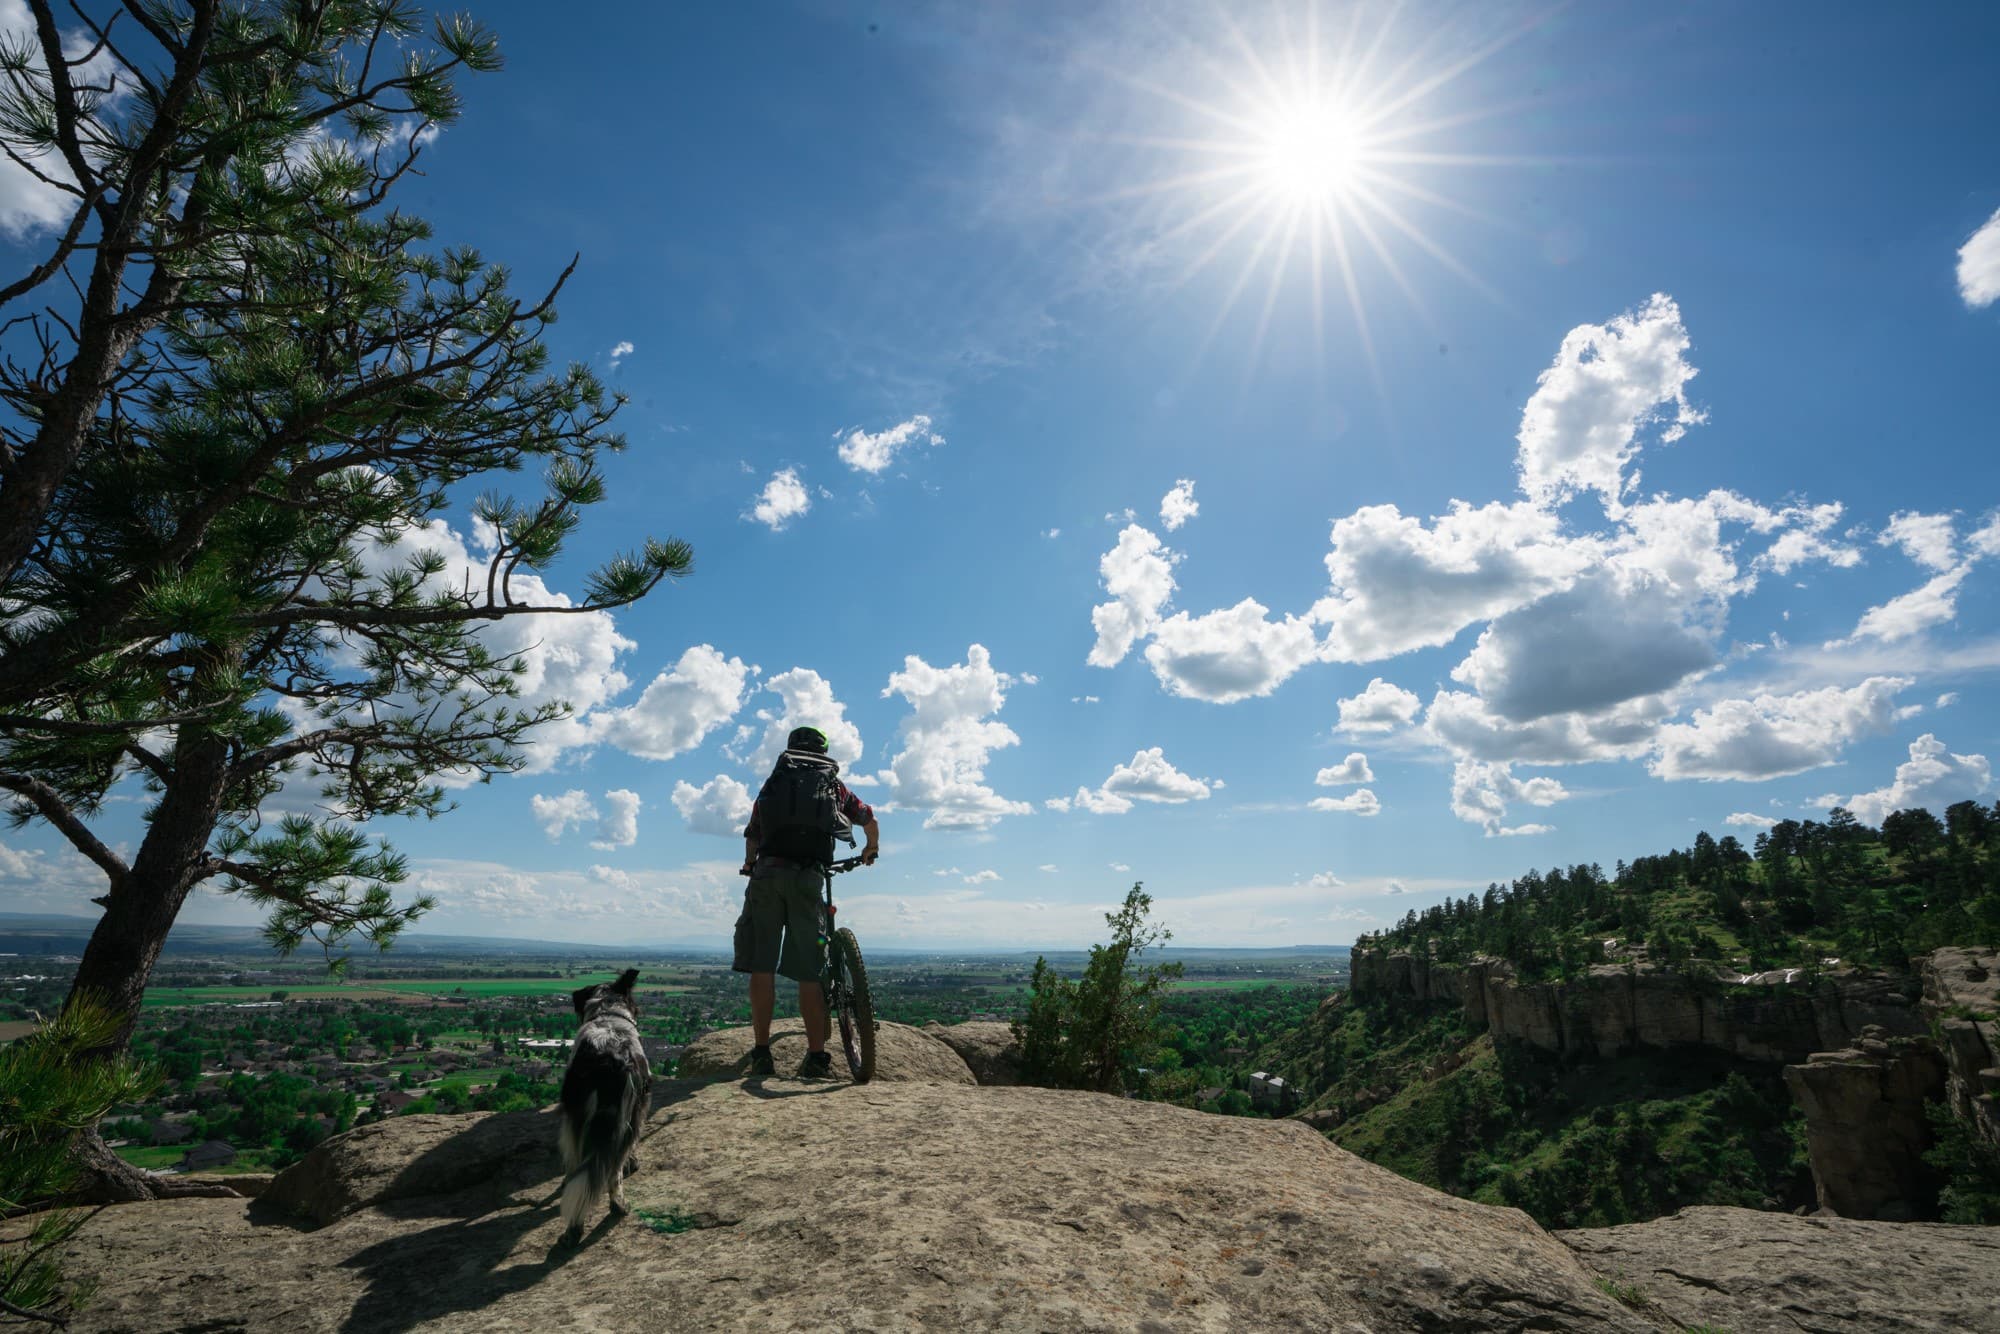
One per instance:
(857, 1010)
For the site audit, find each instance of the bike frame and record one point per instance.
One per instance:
(837, 981)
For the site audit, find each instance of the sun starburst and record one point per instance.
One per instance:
(1307, 157)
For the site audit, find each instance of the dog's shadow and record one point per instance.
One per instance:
(471, 1258)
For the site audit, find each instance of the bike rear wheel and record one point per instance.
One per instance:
(856, 1008)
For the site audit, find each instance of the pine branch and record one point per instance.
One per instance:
(51, 806)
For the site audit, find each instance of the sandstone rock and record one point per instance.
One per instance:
(986, 1046)
(902, 1054)
(785, 1204)
(1866, 1128)
(410, 1156)
(1753, 1273)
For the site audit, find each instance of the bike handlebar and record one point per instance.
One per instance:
(833, 868)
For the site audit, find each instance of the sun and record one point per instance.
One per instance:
(1311, 160)
(1309, 152)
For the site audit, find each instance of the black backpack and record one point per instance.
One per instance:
(798, 810)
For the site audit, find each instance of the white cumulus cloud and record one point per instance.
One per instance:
(1353, 769)
(873, 452)
(1148, 777)
(806, 699)
(1138, 573)
(1361, 801)
(783, 499)
(1400, 585)
(947, 740)
(680, 708)
(1581, 426)
(1927, 539)
(1769, 736)
(557, 815)
(1979, 265)
(1481, 792)
(619, 351)
(1179, 505)
(1933, 776)
(1229, 655)
(1750, 819)
(721, 806)
(619, 827)
(1381, 707)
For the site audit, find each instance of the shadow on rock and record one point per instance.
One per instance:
(758, 1088)
(455, 1266)
(432, 1165)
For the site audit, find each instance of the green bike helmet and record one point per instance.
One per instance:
(807, 739)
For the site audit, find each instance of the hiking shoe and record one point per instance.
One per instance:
(819, 1065)
(761, 1063)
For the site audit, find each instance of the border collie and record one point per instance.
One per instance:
(605, 1093)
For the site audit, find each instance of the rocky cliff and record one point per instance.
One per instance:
(1962, 992)
(908, 1204)
(1862, 1058)
(1616, 1007)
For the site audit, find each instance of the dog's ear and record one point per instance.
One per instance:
(625, 981)
(581, 998)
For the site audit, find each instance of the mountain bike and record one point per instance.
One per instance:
(846, 984)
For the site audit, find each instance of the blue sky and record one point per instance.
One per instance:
(1632, 478)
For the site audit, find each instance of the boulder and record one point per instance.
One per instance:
(1757, 1273)
(1866, 1126)
(792, 1205)
(406, 1157)
(987, 1046)
(902, 1054)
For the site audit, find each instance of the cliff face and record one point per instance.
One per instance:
(1859, 1057)
(1615, 1008)
(1962, 989)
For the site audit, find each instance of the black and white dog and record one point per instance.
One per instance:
(605, 1093)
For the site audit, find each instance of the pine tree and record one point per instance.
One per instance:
(169, 131)
(243, 574)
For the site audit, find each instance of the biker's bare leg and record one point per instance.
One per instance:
(812, 1008)
(764, 1000)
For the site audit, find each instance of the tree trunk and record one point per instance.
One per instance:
(141, 908)
(138, 913)
(105, 1178)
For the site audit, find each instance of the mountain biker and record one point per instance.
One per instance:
(800, 812)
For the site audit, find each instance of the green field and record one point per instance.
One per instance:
(376, 989)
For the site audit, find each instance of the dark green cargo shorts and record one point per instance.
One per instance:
(780, 928)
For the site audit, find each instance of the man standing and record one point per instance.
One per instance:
(802, 809)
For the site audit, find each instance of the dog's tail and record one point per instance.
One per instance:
(601, 1112)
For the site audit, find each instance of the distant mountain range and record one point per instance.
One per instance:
(53, 933)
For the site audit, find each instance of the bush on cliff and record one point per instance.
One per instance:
(1098, 1031)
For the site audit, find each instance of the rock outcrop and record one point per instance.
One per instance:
(1962, 989)
(987, 1046)
(1867, 1126)
(1757, 1273)
(1616, 1007)
(902, 1054)
(787, 1204)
